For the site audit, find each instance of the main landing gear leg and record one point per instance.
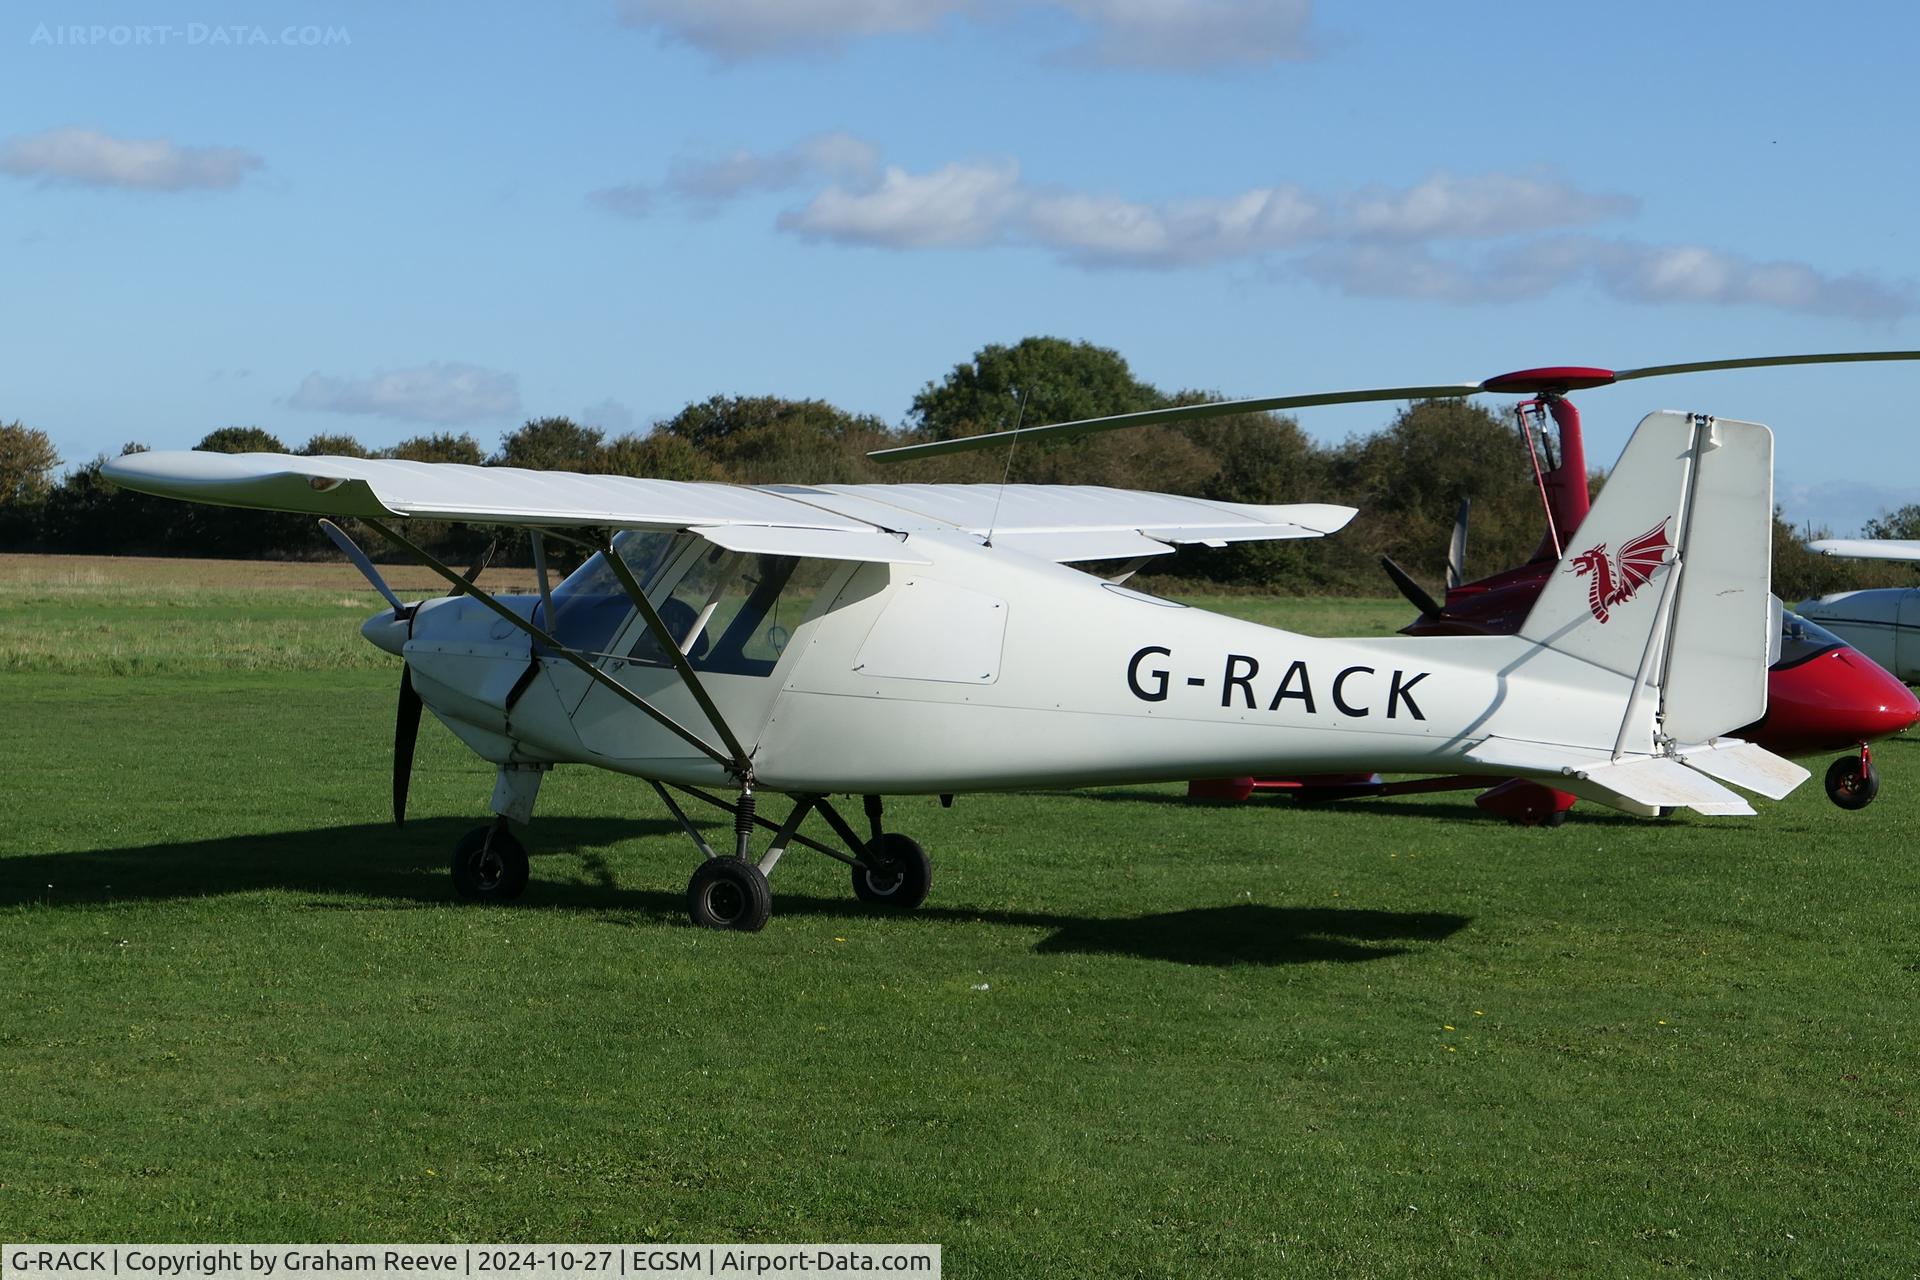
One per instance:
(731, 891)
(1852, 781)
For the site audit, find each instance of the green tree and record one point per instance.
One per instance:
(331, 446)
(86, 512)
(660, 456)
(236, 532)
(439, 447)
(1903, 523)
(1408, 480)
(1060, 381)
(241, 440)
(27, 463)
(553, 444)
(771, 440)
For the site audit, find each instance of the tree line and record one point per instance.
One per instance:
(1407, 478)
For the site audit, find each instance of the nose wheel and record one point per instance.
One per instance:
(893, 872)
(489, 865)
(1852, 781)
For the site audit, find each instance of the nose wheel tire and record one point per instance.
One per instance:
(489, 865)
(1851, 783)
(729, 893)
(893, 871)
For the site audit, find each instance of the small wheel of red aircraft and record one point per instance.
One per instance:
(1852, 783)
(489, 865)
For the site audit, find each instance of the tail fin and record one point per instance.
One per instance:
(1668, 580)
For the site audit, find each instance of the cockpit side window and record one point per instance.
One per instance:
(734, 613)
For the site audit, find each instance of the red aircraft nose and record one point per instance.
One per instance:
(1832, 701)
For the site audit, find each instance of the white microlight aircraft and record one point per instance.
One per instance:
(1881, 622)
(929, 639)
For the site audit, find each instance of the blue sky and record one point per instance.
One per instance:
(385, 219)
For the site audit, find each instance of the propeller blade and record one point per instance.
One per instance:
(1413, 591)
(1457, 547)
(406, 731)
(478, 567)
(364, 565)
(1555, 380)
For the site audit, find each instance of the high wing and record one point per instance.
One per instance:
(1868, 548)
(849, 522)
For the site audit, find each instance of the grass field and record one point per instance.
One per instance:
(1126, 1037)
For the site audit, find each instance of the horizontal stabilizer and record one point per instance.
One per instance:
(1647, 784)
(1744, 765)
(1659, 783)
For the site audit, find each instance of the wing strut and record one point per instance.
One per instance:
(670, 645)
(738, 764)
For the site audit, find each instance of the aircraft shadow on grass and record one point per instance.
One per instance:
(1458, 814)
(378, 862)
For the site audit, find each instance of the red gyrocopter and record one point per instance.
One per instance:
(1822, 694)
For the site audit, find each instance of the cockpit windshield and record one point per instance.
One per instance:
(1801, 639)
(590, 605)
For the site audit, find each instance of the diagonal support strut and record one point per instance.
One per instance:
(559, 650)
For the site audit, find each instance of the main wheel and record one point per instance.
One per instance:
(489, 865)
(1849, 785)
(894, 871)
(729, 893)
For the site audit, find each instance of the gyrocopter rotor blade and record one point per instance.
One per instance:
(1552, 380)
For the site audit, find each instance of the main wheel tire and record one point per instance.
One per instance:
(489, 865)
(729, 893)
(1850, 786)
(894, 871)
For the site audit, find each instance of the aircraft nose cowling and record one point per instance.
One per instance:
(1833, 701)
(384, 631)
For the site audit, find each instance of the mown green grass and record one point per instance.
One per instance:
(1128, 1036)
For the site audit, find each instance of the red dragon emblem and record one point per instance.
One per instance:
(1614, 580)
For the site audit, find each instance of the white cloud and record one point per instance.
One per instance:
(1379, 242)
(1692, 273)
(1446, 206)
(632, 201)
(826, 156)
(704, 184)
(735, 29)
(1171, 35)
(1623, 269)
(1106, 231)
(87, 157)
(1191, 35)
(442, 393)
(959, 205)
